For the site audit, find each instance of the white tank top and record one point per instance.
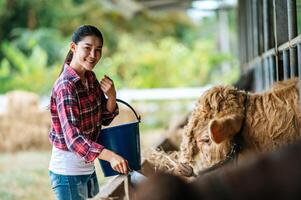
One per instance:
(69, 163)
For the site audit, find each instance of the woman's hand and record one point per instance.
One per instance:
(107, 86)
(117, 162)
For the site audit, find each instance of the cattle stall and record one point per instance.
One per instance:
(269, 35)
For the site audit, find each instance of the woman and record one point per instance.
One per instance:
(78, 108)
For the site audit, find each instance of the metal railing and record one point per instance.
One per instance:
(269, 68)
(270, 46)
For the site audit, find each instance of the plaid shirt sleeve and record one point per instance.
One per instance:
(69, 117)
(107, 116)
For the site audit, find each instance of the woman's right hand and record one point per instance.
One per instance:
(117, 162)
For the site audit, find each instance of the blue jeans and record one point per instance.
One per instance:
(78, 187)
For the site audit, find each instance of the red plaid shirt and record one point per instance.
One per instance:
(78, 114)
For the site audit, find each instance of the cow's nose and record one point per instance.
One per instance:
(184, 170)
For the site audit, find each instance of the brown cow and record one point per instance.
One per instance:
(267, 121)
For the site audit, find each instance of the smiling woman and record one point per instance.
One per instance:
(78, 109)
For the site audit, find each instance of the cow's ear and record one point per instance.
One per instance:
(224, 127)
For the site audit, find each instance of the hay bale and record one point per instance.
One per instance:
(20, 103)
(24, 126)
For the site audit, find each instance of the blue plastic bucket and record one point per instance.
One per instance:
(125, 141)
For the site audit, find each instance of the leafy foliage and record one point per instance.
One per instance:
(25, 72)
(166, 63)
(145, 51)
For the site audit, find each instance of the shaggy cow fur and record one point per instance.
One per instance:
(268, 120)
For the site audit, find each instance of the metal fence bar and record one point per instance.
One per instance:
(292, 18)
(255, 27)
(286, 72)
(272, 60)
(260, 21)
(266, 30)
(258, 78)
(299, 59)
(250, 44)
(272, 69)
(299, 68)
(292, 32)
(293, 62)
(262, 75)
(266, 70)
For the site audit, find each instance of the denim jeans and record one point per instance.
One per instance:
(78, 187)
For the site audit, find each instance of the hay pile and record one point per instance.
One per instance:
(24, 126)
(171, 161)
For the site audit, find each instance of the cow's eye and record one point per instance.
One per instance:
(205, 139)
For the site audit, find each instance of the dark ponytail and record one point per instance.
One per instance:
(78, 35)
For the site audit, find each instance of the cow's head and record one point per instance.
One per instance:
(217, 117)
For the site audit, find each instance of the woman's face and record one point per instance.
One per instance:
(87, 52)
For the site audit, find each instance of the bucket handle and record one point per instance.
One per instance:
(128, 105)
